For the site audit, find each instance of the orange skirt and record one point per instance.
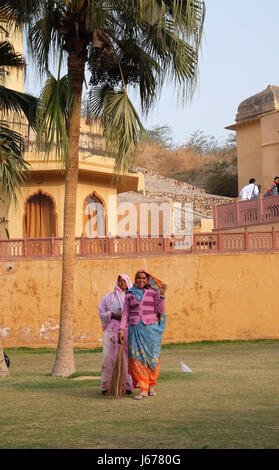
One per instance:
(143, 377)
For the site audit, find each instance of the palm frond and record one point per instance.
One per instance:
(11, 100)
(120, 122)
(8, 56)
(19, 11)
(169, 33)
(177, 56)
(187, 15)
(43, 34)
(3, 220)
(14, 170)
(131, 63)
(52, 131)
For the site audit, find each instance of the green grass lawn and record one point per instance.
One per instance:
(231, 401)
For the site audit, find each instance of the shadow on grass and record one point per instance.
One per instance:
(24, 350)
(86, 388)
(47, 382)
(85, 374)
(83, 390)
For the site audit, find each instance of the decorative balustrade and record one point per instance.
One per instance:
(244, 213)
(198, 243)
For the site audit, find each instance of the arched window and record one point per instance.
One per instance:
(39, 217)
(94, 219)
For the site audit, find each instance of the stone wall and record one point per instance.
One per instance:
(157, 186)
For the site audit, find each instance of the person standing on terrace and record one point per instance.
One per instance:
(273, 189)
(250, 191)
(144, 312)
(110, 311)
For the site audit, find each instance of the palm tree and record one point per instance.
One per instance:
(140, 43)
(13, 168)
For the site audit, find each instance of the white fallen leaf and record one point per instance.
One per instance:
(185, 368)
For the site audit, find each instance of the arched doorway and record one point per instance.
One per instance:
(94, 218)
(39, 217)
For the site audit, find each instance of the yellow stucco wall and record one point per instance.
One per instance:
(210, 297)
(270, 148)
(258, 150)
(207, 225)
(249, 156)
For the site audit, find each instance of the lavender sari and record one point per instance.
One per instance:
(113, 302)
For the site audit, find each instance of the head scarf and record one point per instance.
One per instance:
(126, 279)
(152, 282)
(118, 300)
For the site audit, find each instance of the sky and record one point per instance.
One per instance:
(238, 58)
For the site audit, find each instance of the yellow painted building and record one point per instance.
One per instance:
(257, 135)
(39, 211)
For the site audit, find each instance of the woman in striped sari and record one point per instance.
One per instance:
(144, 313)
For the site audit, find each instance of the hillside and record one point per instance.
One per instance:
(158, 186)
(215, 173)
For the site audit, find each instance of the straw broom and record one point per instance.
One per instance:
(117, 385)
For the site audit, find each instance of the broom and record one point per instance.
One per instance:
(117, 385)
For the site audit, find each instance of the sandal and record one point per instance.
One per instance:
(140, 396)
(152, 393)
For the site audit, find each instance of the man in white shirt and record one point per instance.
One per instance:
(250, 191)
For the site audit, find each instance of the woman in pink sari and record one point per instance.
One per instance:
(110, 311)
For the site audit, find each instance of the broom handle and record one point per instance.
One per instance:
(121, 336)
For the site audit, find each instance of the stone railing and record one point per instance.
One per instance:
(238, 213)
(199, 243)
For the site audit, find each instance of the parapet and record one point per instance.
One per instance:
(262, 103)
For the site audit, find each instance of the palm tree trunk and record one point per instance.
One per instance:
(4, 371)
(64, 363)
